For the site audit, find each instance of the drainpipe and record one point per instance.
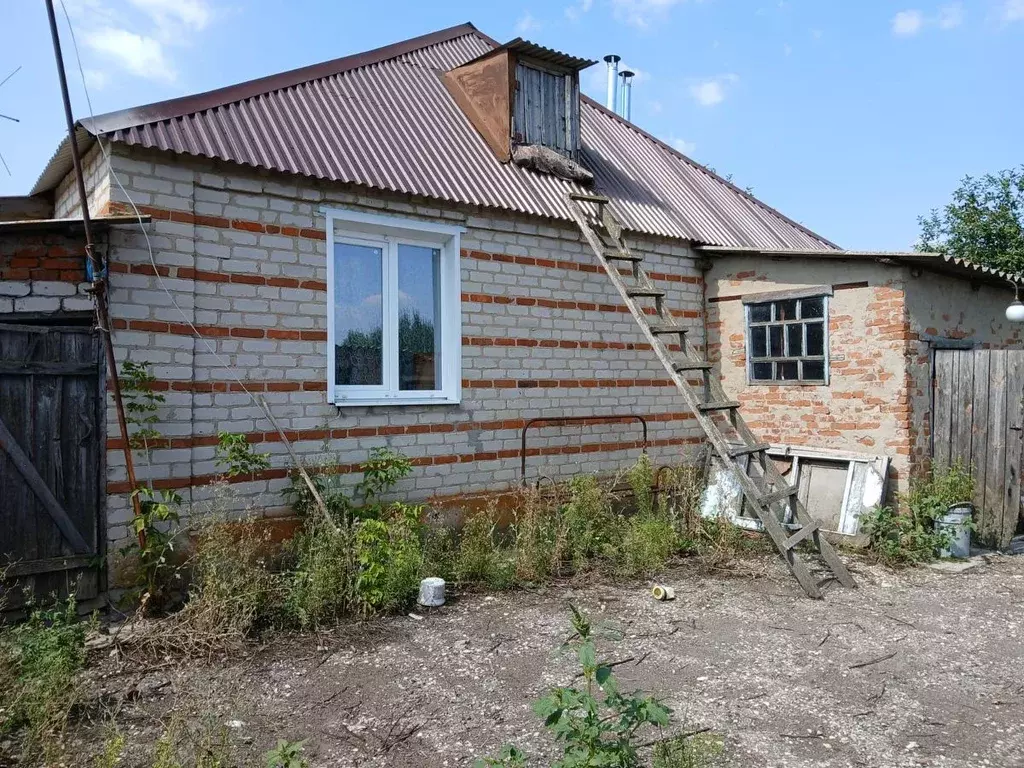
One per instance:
(613, 86)
(627, 93)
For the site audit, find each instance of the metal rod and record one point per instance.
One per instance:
(559, 420)
(99, 281)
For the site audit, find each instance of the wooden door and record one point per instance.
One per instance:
(51, 434)
(977, 418)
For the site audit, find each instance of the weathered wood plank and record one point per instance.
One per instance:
(995, 460)
(943, 398)
(961, 449)
(980, 424)
(45, 368)
(38, 486)
(1014, 445)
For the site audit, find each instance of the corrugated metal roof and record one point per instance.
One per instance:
(384, 120)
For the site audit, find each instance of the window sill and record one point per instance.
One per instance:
(762, 383)
(395, 400)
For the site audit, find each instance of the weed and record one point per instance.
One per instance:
(647, 542)
(587, 522)
(381, 471)
(287, 754)
(141, 403)
(440, 550)
(908, 537)
(237, 457)
(595, 730)
(480, 560)
(536, 532)
(319, 586)
(39, 663)
(390, 557)
(113, 748)
(158, 524)
(641, 481)
(694, 751)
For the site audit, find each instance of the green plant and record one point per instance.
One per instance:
(693, 751)
(598, 724)
(536, 531)
(587, 526)
(641, 481)
(237, 457)
(389, 554)
(646, 543)
(39, 664)
(113, 749)
(440, 550)
(153, 550)
(481, 561)
(909, 536)
(287, 754)
(381, 471)
(320, 584)
(141, 403)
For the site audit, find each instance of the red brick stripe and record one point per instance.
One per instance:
(219, 331)
(489, 341)
(422, 461)
(571, 265)
(346, 433)
(220, 222)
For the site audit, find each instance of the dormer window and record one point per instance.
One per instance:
(522, 96)
(547, 108)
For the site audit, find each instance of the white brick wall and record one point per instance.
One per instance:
(278, 305)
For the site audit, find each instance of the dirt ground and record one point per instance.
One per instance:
(915, 668)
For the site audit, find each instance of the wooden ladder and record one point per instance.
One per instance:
(765, 491)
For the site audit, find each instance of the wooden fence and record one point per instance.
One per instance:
(977, 416)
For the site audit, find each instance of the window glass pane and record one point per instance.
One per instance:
(358, 315)
(775, 341)
(814, 370)
(815, 339)
(785, 310)
(759, 342)
(788, 371)
(812, 307)
(761, 371)
(795, 339)
(760, 313)
(419, 317)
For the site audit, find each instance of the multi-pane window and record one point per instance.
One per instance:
(394, 324)
(787, 340)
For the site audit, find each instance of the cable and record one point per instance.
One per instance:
(260, 402)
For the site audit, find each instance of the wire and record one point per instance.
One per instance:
(227, 366)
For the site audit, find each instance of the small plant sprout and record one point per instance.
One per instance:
(287, 754)
(141, 403)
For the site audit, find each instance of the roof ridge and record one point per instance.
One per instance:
(704, 169)
(198, 102)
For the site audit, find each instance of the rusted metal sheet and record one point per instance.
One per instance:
(384, 120)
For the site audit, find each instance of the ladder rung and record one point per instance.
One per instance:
(802, 534)
(653, 292)
(620, 256)
(692, 365)
(746, 450)
(770, 498)
(665, 329)
(583, 198)
(725, 405)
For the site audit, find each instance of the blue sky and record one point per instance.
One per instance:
(850, 117)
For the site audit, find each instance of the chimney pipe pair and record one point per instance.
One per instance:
(613, 102)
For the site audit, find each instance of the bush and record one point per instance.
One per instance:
(389, 554)
(587, 528)
(908, 537)
(481, 561)
(646, 543)
(39, 664)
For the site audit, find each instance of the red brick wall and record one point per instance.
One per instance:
(42, 273)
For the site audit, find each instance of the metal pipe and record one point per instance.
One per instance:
(613, 86)
(556, 420)
(98, 279)
(627, 92)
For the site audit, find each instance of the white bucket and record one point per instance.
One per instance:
(431, 592)
(954, 522)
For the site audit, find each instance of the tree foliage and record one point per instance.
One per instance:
(983, 223)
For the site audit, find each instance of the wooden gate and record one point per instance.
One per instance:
(51, 410)
(977, 418)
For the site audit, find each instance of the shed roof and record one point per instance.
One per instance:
(383, 120)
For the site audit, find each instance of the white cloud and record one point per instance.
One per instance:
(142, 56)
(655, 107)
(712, 90)
(907, 23)
(951, 16)
(682, 145)
(642, 13)
(96, 79)
(578, 9)
(194, 14)
(527, 24)
(1013, 10)
(787, 49)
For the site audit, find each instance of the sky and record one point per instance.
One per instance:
(853, 118)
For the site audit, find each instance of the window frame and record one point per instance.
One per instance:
(387, 232)
(824, 293)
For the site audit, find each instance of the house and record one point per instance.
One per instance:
(357, 242)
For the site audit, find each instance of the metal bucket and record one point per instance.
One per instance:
(955, 523)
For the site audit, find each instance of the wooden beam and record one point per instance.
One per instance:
(43, 493)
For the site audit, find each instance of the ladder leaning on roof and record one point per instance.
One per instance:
(766, 492)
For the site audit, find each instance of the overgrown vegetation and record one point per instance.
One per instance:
(39, 663)
(907, 535)
(601, 725)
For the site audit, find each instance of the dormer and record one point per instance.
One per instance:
(522, 95)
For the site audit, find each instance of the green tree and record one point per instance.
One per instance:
(983, 223)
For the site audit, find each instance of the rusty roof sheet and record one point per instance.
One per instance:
(384, 120)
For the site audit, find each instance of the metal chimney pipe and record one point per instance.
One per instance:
(613, 85)
(627, 92)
